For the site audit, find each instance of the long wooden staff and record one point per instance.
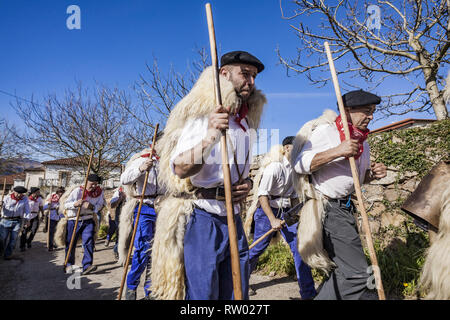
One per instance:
(48, 221)
(366, 227)
(234, 252)
(130, 249)
(78, 212)
(3, 193)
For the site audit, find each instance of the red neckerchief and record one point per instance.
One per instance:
(355, 133)
(32, 198)
(243, 111)
(55, 198)
(147, 155)
(120, 189)
(17, 199)
(92, 194)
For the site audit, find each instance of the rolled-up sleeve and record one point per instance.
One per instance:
(268, 179)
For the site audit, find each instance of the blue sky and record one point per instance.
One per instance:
(39, 55)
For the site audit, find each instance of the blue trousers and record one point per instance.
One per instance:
(112, 228)
(142, 249)
(262, 225)
(207, 259)
(86, 229)
(9, 229)
(52, 230)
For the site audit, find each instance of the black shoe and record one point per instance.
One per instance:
(251, 291)
(130, 294)
(50, 249)
(107, 243)
(29, 246)
(44, 230)
(89, 269)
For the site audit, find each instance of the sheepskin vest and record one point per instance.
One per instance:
(309, 235)
(167, 269)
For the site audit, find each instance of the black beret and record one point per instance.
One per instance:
(33, 190)
(288, 140)
(241, 57)
(20, 189)
(358, 98)
(94, 178)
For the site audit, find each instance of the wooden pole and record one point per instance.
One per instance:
(234, 251)
(366, 227)
(263, 237)
(3, 193)
(78, 212)
(130, 249)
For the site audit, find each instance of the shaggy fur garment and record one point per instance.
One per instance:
(167, 270)
(435, 275)
(309, 233)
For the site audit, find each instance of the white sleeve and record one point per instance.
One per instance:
(26, 210)
(268, 179)
(132, 173)
(317, 143)
(71, 199)
(115, 197)
(193, 133)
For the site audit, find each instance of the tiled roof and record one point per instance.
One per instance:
(401, 124)
(11, 177)
(76, 161)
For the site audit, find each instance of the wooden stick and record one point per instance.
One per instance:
(263, 236)
(234, 251)
(366, 227)
(78, 212)
(130, 249)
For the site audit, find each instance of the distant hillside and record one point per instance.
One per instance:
(17, 165)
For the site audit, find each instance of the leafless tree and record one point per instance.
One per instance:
(411, 43)
(82, 120)
(158, 92)
(10, 146)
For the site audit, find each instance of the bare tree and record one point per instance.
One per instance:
(410, 43)
(158, 92)
(10, 146)
(70, 127)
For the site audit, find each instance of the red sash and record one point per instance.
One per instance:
(355, 134)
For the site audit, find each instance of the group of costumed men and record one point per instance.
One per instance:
(182, 241)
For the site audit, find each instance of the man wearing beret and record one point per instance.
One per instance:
(324, 160)
(198, 264)
(91, 201)
(52, 205)
(32, 220)
(275, 196)
(14, 208)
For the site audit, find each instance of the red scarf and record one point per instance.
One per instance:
(147, 155)
(242, 114)
(32, 198)
(55, 198)
(17, 199)
(92, 194)
(355, 134)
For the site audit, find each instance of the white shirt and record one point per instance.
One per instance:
(334, 179)
(85, 214)
(34, 208)
(13, 208)
(276, 180)
(132, 174)
(211, 174)
(54, 206)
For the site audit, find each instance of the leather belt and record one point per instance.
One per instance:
(217, 193)
(146, 197)
(12, 218)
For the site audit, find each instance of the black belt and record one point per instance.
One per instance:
(217, 193)
(146, 197)
(341, 201)
(12, 218)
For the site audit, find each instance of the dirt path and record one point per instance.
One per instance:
(38, 275)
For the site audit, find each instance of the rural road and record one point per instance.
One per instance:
(38, 275)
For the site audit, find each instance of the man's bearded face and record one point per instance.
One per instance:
(242, 76)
